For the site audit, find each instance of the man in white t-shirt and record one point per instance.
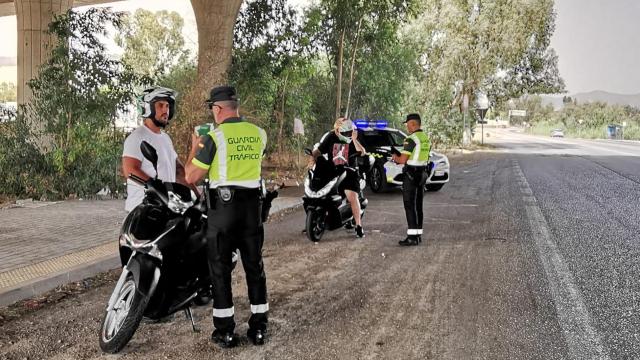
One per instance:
(158, 107)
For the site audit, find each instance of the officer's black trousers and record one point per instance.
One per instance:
(237, 225)
(412, 193)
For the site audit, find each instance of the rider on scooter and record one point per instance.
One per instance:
(338, 145)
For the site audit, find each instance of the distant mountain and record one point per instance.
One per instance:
(593, 96)
(610, 98)
(8, 61)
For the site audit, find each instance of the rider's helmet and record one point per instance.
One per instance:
(149, 97)
(344, 130)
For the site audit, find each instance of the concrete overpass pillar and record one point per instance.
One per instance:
(34, 44)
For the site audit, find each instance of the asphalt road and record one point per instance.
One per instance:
(530, 252)
(589, 194)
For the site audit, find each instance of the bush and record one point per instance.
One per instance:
(65, 142)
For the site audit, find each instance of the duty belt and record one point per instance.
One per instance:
(411, 171)
(226, 193)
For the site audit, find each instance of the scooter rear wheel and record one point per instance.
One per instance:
(315, 225)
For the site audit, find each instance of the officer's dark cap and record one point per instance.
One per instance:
(222, 93)
(413, 116)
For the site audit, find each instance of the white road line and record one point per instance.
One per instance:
(583, 340)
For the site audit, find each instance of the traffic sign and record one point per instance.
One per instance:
(481, 113)
(482, 101)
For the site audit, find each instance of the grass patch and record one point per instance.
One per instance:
(545, 129)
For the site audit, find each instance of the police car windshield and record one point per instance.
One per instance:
(378, 138)
(397, 138)
(375, 138)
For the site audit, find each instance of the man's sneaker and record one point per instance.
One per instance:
(359, 231)
(409, 241)
(224, 339)
(257, 337)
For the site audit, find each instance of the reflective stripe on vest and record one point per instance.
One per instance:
(238, 158)
(420, 154)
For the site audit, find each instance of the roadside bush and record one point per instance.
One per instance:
(65, 141)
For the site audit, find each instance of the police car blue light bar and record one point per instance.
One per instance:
(378, 124)
(359, 123)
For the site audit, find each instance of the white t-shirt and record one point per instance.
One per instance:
(167, 157)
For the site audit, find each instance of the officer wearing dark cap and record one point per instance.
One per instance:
(231, 157)
(415, 156)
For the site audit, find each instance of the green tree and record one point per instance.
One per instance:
(268, 67)
(65, 141)
(348, 31)
(152, 42)
(498, 46)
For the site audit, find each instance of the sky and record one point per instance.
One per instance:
(597, 41)
(598, 45)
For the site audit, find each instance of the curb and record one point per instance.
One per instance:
(43, 284)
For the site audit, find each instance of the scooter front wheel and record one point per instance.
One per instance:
(122, 319)
(315, 225)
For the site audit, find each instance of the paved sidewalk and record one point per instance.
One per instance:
(44, 245)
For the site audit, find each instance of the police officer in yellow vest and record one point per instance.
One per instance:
(231, 156)
(415, 156)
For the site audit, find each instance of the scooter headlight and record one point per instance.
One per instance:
(130, 241)
(320, 193)
(177, 205)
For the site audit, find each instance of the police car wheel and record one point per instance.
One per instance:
(377, 181)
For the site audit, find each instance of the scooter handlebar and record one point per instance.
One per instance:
(137, 179)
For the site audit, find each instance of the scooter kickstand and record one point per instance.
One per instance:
(189, 315)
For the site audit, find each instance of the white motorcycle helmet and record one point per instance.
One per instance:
(150, 96)
(344, 130)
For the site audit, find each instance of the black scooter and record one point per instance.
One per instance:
(325, 206)
(162, 250)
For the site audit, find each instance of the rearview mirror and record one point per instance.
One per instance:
(150, 153)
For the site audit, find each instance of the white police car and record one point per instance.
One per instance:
(378, 139)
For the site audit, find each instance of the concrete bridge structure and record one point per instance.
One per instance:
(33, 18)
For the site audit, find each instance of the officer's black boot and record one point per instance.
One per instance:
(257, 337)
(224, 339)
(411, 240)
(419, 239)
